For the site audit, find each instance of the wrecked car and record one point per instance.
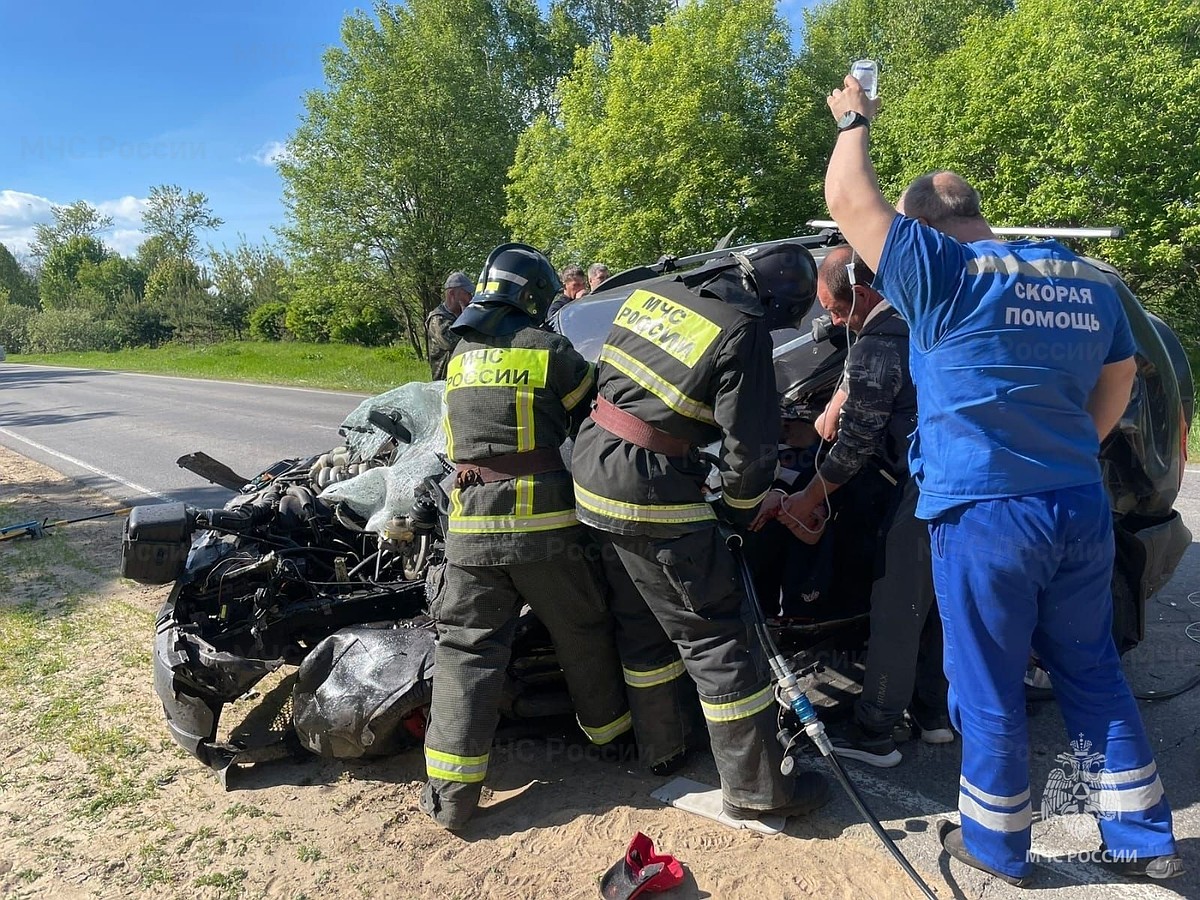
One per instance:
(327, 563)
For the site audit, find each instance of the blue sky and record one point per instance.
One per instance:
(103, 101)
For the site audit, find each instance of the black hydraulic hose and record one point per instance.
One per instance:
(877, 827)
(734, 543)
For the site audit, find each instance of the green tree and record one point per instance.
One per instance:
(106, 285)
(79, 220)
(587, 23)
(666, 144)
(1090, 122)
(396, 175)
(903, 36)
(171, 279)
(177, 218)
(246, 277)
(15, 282)
(62, 260)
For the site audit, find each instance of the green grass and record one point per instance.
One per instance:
(335, 367)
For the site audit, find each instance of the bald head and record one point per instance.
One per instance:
(836, 279)
(946, 201)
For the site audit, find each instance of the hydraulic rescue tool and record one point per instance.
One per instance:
(36, 529)
(792, 698)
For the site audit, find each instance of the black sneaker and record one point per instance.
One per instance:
(1159, 868)
(951, 838)
(852, 741)
(932, 725)
(810, 792)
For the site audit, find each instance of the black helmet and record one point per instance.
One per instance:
(515, 277)
(778, 282)
(785, 277)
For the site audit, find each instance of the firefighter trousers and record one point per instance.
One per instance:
(1036, 571)
(680, 610)
(476, 614)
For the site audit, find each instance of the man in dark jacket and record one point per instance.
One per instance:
(870, 454)
(688, 363)
(438, 334)
(513, 394)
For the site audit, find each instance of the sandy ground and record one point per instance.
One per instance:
(97, 801)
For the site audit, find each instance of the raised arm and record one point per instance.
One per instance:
(851, 187)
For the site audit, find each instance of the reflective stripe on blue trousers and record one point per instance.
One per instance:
(1035, 571)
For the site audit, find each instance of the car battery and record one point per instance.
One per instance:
(157, 539)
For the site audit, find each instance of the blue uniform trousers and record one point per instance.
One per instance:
(1035, 571)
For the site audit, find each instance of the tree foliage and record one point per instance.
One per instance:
(581, 23)
(15, 282)
(665, 144)
(79, 220)
(176, 218)
(247, 277)
(396, 174)
(62, 261)
(1090, 122)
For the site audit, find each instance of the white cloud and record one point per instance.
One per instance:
(20, 212)
(272, 153)
(126, 211)
(124, 240)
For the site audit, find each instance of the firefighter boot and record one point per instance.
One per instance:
(449, 804)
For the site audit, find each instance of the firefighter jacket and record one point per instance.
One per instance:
(511, 394)
(698, 369)
(441, 340)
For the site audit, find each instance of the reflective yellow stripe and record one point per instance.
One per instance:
(460, 524)
(455, 504)
(526, 441)
(647, 678)
(738, 709)
(671, 327)
(643, 512)
(647, 378)
(449, 435)
(610, 731)
(745, 504)
(572, 399)
(524, 502)
(498, 367)
(449, 767)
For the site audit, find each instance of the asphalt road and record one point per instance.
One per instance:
(121, 433)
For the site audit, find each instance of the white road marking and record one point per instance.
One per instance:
(79, 462)
(278, 387)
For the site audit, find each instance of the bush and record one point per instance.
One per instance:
(140, 324)
(70, 330)
(14, 327)
(308, 319)
(269, 321)
(370, 325)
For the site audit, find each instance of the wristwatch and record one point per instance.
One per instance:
(852, 119)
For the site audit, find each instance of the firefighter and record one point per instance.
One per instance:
(513, 394)
(686, 364)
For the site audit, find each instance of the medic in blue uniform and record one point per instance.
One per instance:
(1023, 361)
